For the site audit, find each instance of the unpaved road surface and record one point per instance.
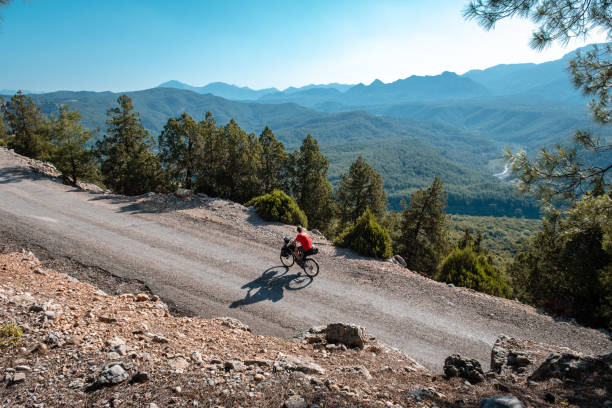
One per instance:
(206, 263)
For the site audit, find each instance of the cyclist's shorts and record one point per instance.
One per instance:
(309, 252)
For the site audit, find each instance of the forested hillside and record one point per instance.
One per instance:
(408, 153)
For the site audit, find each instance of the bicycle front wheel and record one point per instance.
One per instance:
(288, 259)
(311, 268)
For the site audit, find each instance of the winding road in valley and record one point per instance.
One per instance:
(213, 268)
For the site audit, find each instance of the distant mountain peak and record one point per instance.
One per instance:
(222, 89)
(169, 83)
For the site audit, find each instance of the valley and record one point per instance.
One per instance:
(447, 126)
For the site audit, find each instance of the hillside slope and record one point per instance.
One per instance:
(82, 347)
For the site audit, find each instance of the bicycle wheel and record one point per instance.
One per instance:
(311, 267)
(287, 260)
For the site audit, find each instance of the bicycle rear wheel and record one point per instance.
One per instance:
(311, 267)
(287, 260)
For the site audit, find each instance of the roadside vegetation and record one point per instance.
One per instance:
(366, 237)
(278, 206)
(10, 334)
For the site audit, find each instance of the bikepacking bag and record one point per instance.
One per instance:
(315, 250)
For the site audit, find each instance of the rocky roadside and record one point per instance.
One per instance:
(82, 347)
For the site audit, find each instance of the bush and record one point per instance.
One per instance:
(463, 267)
(10, 334)
(278, 206)
(366, 237)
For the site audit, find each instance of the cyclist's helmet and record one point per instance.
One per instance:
(300, 229)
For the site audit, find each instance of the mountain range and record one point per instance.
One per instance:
(452, 126)
(546, 81)
(245, 93)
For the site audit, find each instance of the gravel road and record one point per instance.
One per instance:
(214, 266)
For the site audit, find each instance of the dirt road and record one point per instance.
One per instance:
(215, 266)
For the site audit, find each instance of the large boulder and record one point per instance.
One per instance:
(574, 367)
(455, 366)
(348, 334)
(510, 354)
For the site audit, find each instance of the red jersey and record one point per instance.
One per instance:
(303, 239)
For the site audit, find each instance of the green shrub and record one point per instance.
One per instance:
(10, 334)
(366, 237)
(463, 267)
(278, 206)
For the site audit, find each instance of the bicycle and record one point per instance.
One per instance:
(287, 257)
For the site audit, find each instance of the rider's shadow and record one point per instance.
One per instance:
(271, 285)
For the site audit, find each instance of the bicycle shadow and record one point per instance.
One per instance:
(271, 285)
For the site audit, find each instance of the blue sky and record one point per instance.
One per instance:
(127, 45)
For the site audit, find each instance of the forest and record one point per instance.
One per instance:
(465, 158)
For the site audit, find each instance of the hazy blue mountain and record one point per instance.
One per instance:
(307, 97)
(334, 85)
(548, 81)
(222, 89)
(178, 85)
(273, 95)
(415, 88)
(447, 85)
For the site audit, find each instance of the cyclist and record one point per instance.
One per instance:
(305, 247)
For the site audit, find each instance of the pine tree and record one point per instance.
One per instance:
(70, 155)
(208, 171)
(27, 126)
(181, 150)
(128, 167)
(312, 190)
(234, 163)
(274, 161)
(424, 239)
(359, 189)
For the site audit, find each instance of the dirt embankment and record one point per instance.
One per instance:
(82, 347)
